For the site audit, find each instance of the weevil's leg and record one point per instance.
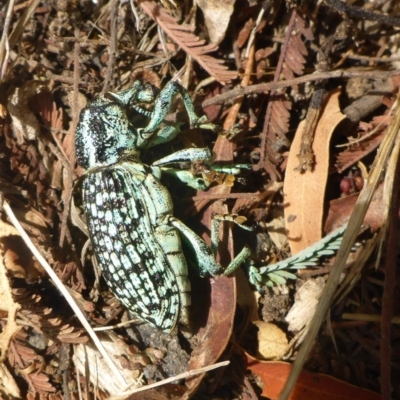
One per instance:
(183, 175)
(138, 93)
(164, 135)
(216, 222)
(234, 169)
(195, 120)
(187, 177)
(232, 133)
(204, 258)
(162, 106)
(255, 277)
(163, 103)
(238, 260)
(245, 252)
(185, 155)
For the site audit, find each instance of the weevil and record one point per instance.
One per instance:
(134, 234)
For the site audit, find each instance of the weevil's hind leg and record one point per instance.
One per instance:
(245, 252)
(243, 256)
(204, 258)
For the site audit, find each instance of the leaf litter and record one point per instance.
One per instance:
(265, 65)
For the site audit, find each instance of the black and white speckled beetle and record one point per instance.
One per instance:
(134, 234)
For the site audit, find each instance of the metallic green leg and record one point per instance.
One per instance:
(245, 252)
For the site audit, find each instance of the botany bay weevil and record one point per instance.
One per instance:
(134, 234)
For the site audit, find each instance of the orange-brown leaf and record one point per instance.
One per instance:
(304, 194)
(310, 386)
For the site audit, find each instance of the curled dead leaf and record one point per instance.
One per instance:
(272, 341)
(304, 194)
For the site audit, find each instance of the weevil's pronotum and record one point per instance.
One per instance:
(134, 234)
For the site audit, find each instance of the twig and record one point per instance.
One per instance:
(368, 318)
(372, 59)
(4, 44)
(266, 87)
(68, 182)
(22, 21)
(171, 379)
(113, 47)
(360, 13)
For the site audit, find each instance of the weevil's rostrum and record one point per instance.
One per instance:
(135, 237)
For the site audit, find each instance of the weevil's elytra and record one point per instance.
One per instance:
(134, 235)
(139, 249)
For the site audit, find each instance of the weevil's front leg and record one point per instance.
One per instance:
(195, 120)
(138, 92)
(162, 106)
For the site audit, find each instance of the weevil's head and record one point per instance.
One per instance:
(104, 133)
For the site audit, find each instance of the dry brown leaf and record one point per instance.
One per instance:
(29, 365)
(341, 209)
(306, 300)
(214, 335)
(272, 341)
(304, 193)
(245, 32)
(18, 259)
(217, 14)
(276, 227)
(310, 386)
